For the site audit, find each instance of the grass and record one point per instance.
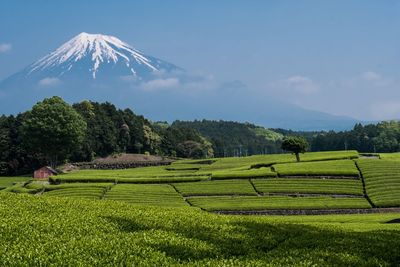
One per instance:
(313, 186)
(244, 174)
(223, 187)
(319, 168)
(19, 188)
(155, 195)
(155, 180)
(197, 170)
(91, 192)
(247, 162)
(277, 202)
(142, 172)
(223, 178)
(9, 181)
(70, 232)
(395, 156)
(382, 181)
(77, 185)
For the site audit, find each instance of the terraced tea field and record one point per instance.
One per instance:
(225, 203)
(142, 195)
(9, 181)
(318, 168)
(136, 175)
(309, 186)
(215, 188)
(163, 216)
(382, 181)
(80, 190)
(90, 192)
(243, 174)
(322, 181)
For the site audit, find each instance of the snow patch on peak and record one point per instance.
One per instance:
(100, 49)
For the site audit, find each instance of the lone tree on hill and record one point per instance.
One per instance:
(54, 129)
(295, 144)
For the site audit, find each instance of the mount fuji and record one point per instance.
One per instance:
(89, 66)
(95, 56)
(103, 68)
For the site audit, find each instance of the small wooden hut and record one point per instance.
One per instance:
(44, 173)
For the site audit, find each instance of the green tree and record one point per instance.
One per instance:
(295, 144)
(151, 139)
(54, 129)
(190, 149)
(124, 137)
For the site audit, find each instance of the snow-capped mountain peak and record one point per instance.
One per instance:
(92, 52)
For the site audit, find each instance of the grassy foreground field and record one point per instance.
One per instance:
(51, 231)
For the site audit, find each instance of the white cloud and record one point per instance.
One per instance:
(161, 84)
(301, 84)
(368, 80)
(371, 76)
(49, 81)
(385, 110)
(5, 47)
(129, 78)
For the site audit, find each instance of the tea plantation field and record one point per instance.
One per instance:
(338, 180)
(164, 216)
(59, 231)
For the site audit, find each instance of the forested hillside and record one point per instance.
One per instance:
(111, 130)
(230, 138)
(381, 137)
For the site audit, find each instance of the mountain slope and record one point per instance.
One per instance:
(93, 56)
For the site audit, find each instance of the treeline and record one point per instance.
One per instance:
(53, 131)
(381, 137)
(111, 130)
(37, 137)
(233, 139)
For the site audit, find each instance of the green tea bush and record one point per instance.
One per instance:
(155, 195)
(277, 202)
(244, 174)
(313, 186)
(318, 168)
(213, 188)
(382, 181)
(51, 231)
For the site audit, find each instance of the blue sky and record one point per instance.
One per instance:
(341, 56)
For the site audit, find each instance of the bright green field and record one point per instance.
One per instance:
(323, 168)
(243, 174)
(235, 183)
(192, 170)
(49, 231)
(277, 202)
(382, 181)
(83, 192)
(312, 186)
(223, 187)
(8, 181)
(394, 156)
(246, 162)
(143, 195)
